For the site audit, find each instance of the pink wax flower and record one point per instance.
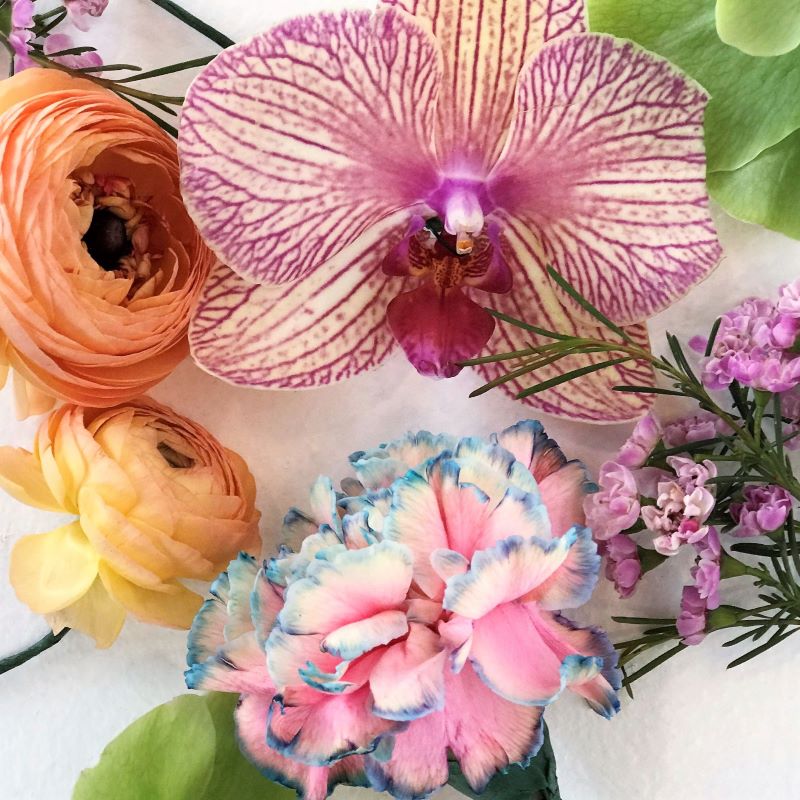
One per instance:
(615, 506)
(83, 12)
(706, 572)
(787, 327)
(20, 35)
(410, 624)
(57, 42)
(790, 409)
(765, 509)
(623, 566)
(391, 174)
(692, 474)
(698, 427)
(691, 622)
(641, 443)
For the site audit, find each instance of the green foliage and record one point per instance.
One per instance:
(538, 781)
(757, 28)
(182, 750)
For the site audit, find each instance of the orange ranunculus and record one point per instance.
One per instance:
(156, 499)
(100, 265)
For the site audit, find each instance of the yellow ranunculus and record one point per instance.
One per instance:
(157, 500)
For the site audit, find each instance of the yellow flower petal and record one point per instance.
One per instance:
(97, 614)
(174, 609)
(50, 571)
(21, 476)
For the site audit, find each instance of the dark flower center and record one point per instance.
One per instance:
(107, 240)
(174, 458)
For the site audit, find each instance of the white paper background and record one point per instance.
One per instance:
(694, 731)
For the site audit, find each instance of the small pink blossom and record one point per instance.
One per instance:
(615, 507)
(57, 42)
(691, 623)
(706, 572)
(623, 566)
(641, 443)
(787, 328)
(696, 428)
(690, 473)
(20, 35)
(790, 409)
(82, 12)
(765, 509)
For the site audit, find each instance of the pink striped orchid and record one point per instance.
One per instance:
(420, 614)
(374, 178)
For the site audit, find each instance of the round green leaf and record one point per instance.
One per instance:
(759, 28)
(755, 102)
(183, 750)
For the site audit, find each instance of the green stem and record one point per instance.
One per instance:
(194, 22)
(45, 643)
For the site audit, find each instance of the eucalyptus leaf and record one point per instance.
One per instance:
(755, 102)
(538, 781)
(182, 750)
(757, 28)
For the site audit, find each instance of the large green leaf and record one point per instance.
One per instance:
(538, 781)
(767, 190)
(755, 102)
(759, 28)
(183, 750)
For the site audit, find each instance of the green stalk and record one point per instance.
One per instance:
(45, 643)
(194, 22)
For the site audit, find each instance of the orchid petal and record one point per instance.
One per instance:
(484, 52)
(418, 763)
(408, 681)
(354, 584)
(311, 783)
(438, 328)
(356, 638)
(296, 141)
(560, 571)
(487, 733)
(589, 398)
(325, 732)
(314, 332)
(605, 166)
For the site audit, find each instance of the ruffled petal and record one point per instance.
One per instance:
(314, 332)
(352, 585)
(486, 732)
(311, 783)
(325, 732)
(50, 571)
(438, 328)
(293, 659)
(242, 573)
(408, 681)
(356, 638)
(485, 45)
(418, 762)
(296, 141)
(266, 602)
(239, 666)
(558, 570)
(589, 398)
(605, 166)
(21, 476)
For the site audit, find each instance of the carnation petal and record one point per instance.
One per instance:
(605, 166)
(311, 783)
(352, 585)
(483, 55)
(266, 602)
(240, 666)
(288, 654)
(408, 681)
(314, 332)
(333, 114)
(242, 573)
(356, 638)
(50, 571)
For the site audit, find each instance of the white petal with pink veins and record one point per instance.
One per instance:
(296, 141)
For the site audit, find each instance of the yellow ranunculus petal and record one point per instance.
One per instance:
(50, 571)
(174, 609)
(97, 614)
(21, 476)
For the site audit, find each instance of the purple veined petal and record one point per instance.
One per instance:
(295, 142)
(589, 398)
(317, 331)
(485, 44)
(605, 163)
(438, 328)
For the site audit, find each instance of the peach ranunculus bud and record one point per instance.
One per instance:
(100, 264)
(157, 500)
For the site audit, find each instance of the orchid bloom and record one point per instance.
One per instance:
(374, 178)
(420, 616)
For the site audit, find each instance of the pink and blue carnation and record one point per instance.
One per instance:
(382, 643)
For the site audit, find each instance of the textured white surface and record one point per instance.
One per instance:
(694, 731)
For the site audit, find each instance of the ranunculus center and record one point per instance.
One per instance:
(107, 240)
(175, 458)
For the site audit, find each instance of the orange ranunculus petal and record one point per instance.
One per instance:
(21, 476)
(97, 614)
(175, 609)
(50, 571)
